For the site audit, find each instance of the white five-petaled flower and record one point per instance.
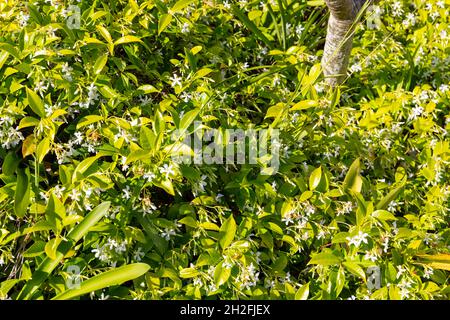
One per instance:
(361, 237)
(168, 233)
(167, 170)
(299, 29)
(176, 80)
(149, 176)
(138, 254)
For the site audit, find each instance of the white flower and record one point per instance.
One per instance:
(121, 247)
(361, 237)
(103, 297)
(168, 233)
(226, 4)
(198, 282)
(428, 273)
(145, 100)
(401, 270)
(2, 261)
(149, 176)
(299, 29)
(444, 88)
(75, 195)
(126, 193)
(112, 244)
(404, 293)
(44, 196)
(356, 68)
(23, 19)
(287, 219)
(167, 170)
(397, 10)
(100, 253)
(185, 28)
(372, 256)
(212, 287)
(415, 112)
(176, 80)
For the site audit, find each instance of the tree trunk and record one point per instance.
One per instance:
(338, 44)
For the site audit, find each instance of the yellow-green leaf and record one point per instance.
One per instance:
(163, 22)
(35, 103)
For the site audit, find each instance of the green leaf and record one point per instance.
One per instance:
(383, 215)
(436, 261)
(51, 247)
(355, 269)
(127, 39)
(188, 119)
(48, 265)
(202, 72)
(87, 120)
(22, 194)
(250, 25)
(28, 145)
(303, 292)
(187, 273)
(305, 104)
(106, 279)
(42, 149)
(353, 180)
(35, 250)
(83, 166)
(227, 232)
(189, 221)
(35, 103)
(105, 33)
(221, 274)
(12, 50)
(147, 88)
(163, 22)
(315, 177)
(147, 138)
(384, 202)
(10, 163)
(325, 259)
(28, 122)
(100, 63)
(7, 285)
(180, 5)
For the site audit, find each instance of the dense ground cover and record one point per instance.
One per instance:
(89, 180)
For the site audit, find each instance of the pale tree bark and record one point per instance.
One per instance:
(338, 44)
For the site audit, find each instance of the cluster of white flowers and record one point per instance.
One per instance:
(345, 208)
(361, 237)
(67, 71)
(23, 19)
(248, 277)
(10, 136)
(111, 251)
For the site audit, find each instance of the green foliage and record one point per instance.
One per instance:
(92, 119)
